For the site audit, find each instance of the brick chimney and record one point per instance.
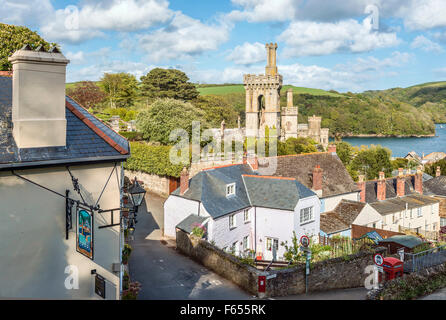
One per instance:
(361, 186)
(184, 181)
(438, 172)
(331, 148)
(400, 183)
(381, 187)
(317, 180)
(419, 181)
(6, 73)
(38, 97)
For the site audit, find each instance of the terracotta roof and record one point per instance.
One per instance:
(335, 179)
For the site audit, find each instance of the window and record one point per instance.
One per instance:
(434, 226)
(225, 249)
(306, 215)
(419, 212)
(245, 243)
(442, 222)
(232, 221)
(374, 225)
(230, 189)
(246, 216)
(432, 209)
(234, 248)
(268, 243)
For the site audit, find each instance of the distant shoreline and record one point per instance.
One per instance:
(389, 136)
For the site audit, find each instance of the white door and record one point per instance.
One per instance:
(271, 248)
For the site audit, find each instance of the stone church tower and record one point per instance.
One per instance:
(263, 97)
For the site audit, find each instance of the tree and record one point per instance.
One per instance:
(121, 88)
(432, 169)
(296, 146)
(165, 115)
(344, 150)
(12, 38)
(373, 160)
(87, 93)
(217, 109)
(167, 83)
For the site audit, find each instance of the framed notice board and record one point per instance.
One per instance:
(99, 286)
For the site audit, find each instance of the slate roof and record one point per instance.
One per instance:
(341, 217)
(330, 223)
(335, 180)
(88, 139)
(435, 186)
(190, 222)
(425, 176)
(399, 204)
(277, 193)
(209, 187)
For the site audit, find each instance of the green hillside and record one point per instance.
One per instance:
(238, 88)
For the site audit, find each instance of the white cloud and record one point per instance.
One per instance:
(77, 24)
(184, 37)
(425, 44)
(423, 14)
(263, 10)
(312, 38)
(248, 53)
(29, 12)
(76, 57)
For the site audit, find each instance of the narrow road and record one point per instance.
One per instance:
(163, 272)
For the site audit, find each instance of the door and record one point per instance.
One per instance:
(174, 183)
(271, 248)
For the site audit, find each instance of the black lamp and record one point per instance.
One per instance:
(137, 193)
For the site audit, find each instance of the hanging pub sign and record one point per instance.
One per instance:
(84, 233)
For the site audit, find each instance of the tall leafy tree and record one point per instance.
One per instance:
(371, 161)
(165, 115)
(168, 83)
(120, 88)
(216, 109)
(12, 38)
(87, 93)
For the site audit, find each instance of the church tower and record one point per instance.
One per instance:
(263, 97)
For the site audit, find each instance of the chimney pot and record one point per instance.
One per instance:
(317, 180)
(381, 187)
(419, 180)
(331, 148)
(184, 181)
(361, 186)
(400, 183)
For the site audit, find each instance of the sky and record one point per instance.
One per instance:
(345, 45)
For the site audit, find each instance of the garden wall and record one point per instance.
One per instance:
(154, 183)
(339, 273)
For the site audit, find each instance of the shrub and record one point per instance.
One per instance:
(131, 135)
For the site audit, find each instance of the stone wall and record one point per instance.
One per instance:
(339, 273)
(154, 183)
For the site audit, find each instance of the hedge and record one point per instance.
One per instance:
(152, 160)
(131, 135)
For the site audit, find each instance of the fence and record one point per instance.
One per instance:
(341, 246)
(415, 262)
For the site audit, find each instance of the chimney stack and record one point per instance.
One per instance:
(38, 97)
(381, 187)
(419, 180)
(184, 181)
(361, 186)
(400, 183)
(289, 98)
(331, 148)
(438, 172)
(317, 180)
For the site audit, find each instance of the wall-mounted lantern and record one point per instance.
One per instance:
(137, 193)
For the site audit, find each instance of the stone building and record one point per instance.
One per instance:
(263, 106)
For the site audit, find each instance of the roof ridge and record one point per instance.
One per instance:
(93, 127)
(297, 155)
(268, 177)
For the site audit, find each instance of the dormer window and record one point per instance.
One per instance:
(230, 189)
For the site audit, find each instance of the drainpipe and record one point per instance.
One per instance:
(255, 232)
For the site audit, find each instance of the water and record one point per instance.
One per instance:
(402, 146)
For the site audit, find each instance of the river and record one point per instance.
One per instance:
(402, 146)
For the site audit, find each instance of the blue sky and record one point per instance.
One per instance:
(348, 45)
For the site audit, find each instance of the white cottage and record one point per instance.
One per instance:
(243, 211)
(58, 163)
